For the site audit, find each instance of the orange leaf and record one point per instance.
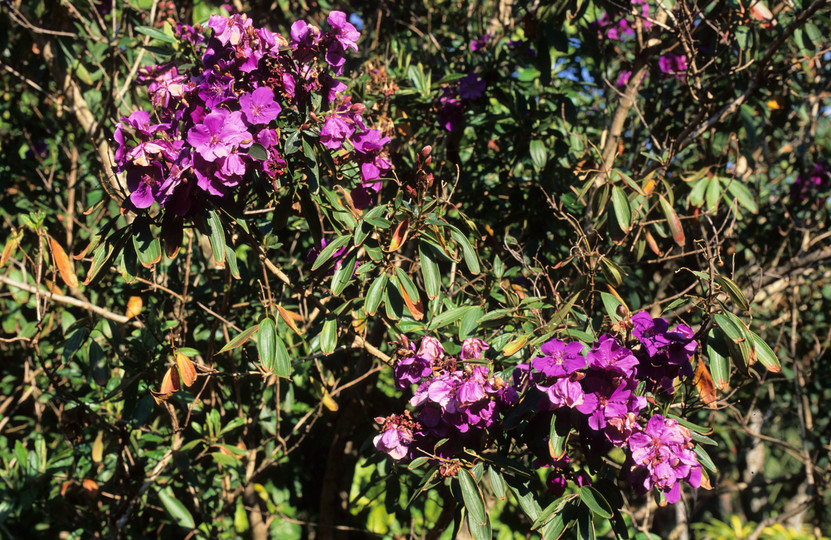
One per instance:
(170, 385)
(416, 309)
(187, 373)
(400, 235)
(134, 305)
(10, 248)
(653, 245)
(290, 317)
(674, 223)
(64, 264)
(90, 485)
(328, 402)
(705, 385)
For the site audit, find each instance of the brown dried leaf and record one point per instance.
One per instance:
(705, 385)
(10, 248)
(66, 268)
(416, 309)
(170, 385)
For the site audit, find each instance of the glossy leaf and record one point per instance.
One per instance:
(595, 502)
(180, 514)
(733, 291)
(375, 294)
(674, 223)
(429, 270)
(765, 354)
(623, 212)
(267, 343)
(216, 234)
(239, 339)
(469, 254)
(474, 503)
(329, 336)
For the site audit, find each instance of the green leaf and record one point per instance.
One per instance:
(449, 316)
(765, 354)
(623, 212)
(217, 237)
(471, 260)
(282, 366)
(327, 252)
(743, 195)
(239, 339)
(558, 434)
(375, 294)
(585, 525)
(539, 154)
(704, 458)
(713, 194)
(231, 258)
(479, 531)
(429, 270)
(474, 503)
(407, 283)
(258, 152)
(595, 502)
(176, 509)
(729, 327)
(719, 360)
(267, 343)
(497, 482)
(470, 322)
(343, 275)
(155, 34)
(696, 196)
(732, 291)
(612, 272)
(329, 336)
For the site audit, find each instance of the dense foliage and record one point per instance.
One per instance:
(463, 269)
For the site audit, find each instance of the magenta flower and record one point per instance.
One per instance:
(663, 456)
(623, 78)
(344, 37)
(411, 370)
(472, 349)
(471, 87)
(218, 134)
(431, 349)
(396, 435)
(560, 359)
(481, 43)
(335, 131)
(259, 106)
(673, 64)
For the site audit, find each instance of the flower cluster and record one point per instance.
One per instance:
(808, 184)
(663, 456)
(226, 117)
(621, 27)
(454, 100)
(599, 386)
(455, 400)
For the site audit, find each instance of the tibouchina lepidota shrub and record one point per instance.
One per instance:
(612, 394)
(250, 107)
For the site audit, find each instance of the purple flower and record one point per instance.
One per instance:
(144, 184)
(471, 87)
(479, 44)
(344, 37)
(472, 349)
(611, 356)
(450, 112)
(623, 78)
(396, 436)
(411, 370)
(218, 134)
(431, 349)
(666, 354)
(663, 456)
(259, 106)
(673, 64)
(335, 131)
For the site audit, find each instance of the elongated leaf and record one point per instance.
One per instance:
(595, 502)
(393, 303)
(267, 343)
(765, 354)
(705, 384)
(329, 336)
(343, 275)
(429, 270)
(539, 155)
(719, 361)
(713, 194)
(479, 531)
(375, 294)
(673, 221)
(733, 291)
(558, 434)
(155, 34)
(327, 252)
(217, 237)
(623, 212)
(449, 316)
(474, 503)
(743, 196)
(290, 318)
(470, 322)
(730, 329)
(704, 458)
(282, 364)
(471, 259)
(63, 263)
(239, 339)
(497, 482)
(696, 196)
(176, 509)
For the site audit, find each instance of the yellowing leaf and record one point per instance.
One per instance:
(328, 402)
(773, 105)
(399, 235)
(134, 305)
(64, 264)
(10, 248)
(98, 448)
(187, 372)
(289, 318)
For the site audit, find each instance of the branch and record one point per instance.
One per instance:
(72, 301)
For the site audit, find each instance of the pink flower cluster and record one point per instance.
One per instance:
(621, 27)
(226, 117)
(452, 400)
